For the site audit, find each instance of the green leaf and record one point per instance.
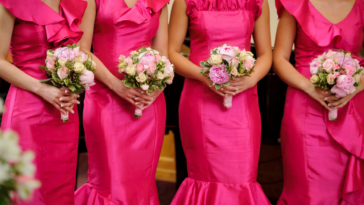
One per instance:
(218, 86)
(72, 88)
(46, 80)
(202, 64)
(128, 84)
(227, 83)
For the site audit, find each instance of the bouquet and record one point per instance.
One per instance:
(338, 72)
(16, 170)
(70, 68)
(146, 69)
(227, 62)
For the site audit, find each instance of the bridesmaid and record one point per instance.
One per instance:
(221, 144)
(123, 150)
(323, 160)
(33, 108)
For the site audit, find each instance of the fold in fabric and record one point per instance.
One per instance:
(87, 195)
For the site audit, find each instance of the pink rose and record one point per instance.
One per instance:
(152, 67)
(158, 57)
(249, 63)
(330, 54)
(83, 57)
(314, 66)
(50, 64)
(128, 61)
(165, 59)
(350, 70)
(336, 67)
(76, 51)
(170, 80)
(168, 69)
(62, 72)
(332, 77)
(49, 58)
(227, 52)
(140, 68)
(87, 79)
(145, 87)
(344, 86)
(234, 63)
(328, 65)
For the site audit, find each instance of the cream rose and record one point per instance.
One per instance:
(314, 79)
(235, 72)
(62, 61)
(160, 75)
(130, 69)
(134, 53)
(78, 67)
(216, 59)
(93, 66)
(357, 78)
(141, 78)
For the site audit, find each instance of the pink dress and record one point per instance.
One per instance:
(39, 28)
(123, 150)
(221, 144)
(323, 160)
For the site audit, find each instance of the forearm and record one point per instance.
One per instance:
(262, 66)
(184, 67)
(18, 78)
(285, 70)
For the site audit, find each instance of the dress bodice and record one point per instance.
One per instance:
(38, 28)
(316, 35)
(120, 29)
(216, 22)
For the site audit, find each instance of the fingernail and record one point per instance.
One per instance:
(65, 91)
(236, 89)
(137, 103)
(221, 88)
(152, 98)
(60, 99)
(136, 98)
(73, 112)
(61, 105)
(325, 99)
(78, 102)
(329, 105)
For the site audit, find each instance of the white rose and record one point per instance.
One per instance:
(314, 79)
(130, 69)
(93, 66)
(4, 172)
(141, 78)
(357, 78)
(235, 72)
(160, 75)
(155, 52)
(25, 165)
(62, 61)
(134, 53)
(78, 67)
(9, 147)
(216, 59)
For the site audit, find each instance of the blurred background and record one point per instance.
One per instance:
(172, 168)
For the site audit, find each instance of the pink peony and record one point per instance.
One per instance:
(349, 62)
(218, 74)
(249, 63)
(62, 72)
(87, 79)
(350, 70)
(344, 86)
(328, 65)
(340, 56)
(314, 66)
(147, 58)
(227, 52)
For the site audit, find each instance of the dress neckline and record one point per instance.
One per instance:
(322, 16)
(59, 7)
(127, 4)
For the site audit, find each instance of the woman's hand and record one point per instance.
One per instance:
(238, 85)
(208, 82)
(147, 100)
(319, 95)
(129, 94)
(62, 98)
(336, 102)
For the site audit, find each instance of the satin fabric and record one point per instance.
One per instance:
(123, 150)
(221, 144)
(323, 160)
(39, 28)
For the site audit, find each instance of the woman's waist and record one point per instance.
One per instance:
(32, 68)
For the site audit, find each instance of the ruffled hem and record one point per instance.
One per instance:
(353, 192)
(347, 130)
(62, 29)
(211, 193)
(227, 5)
(321, 32)
(142, 11)
(87, 195)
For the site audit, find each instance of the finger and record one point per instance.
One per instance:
(139, 105)
(342, 104)
(229, 88)
(134, 92)
(331, 99)
(147, 97)
(337, 103)
(323, 103)
(66, 99)
(219, 93)
(59, 108)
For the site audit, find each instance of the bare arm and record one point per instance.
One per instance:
(264, 55)
(286, 35)
(160, 41)
(18, 78)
